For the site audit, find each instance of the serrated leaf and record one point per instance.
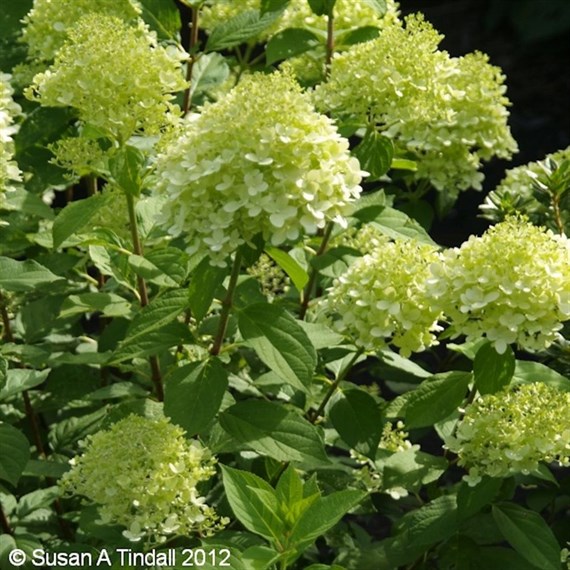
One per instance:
(163, 17)
(108, 304)
(436, 398)
(150, 272)
(272, 430)
(358, 35)
(259, 514)
(288, 43)
(14, 453)
(209, 71)
(20, 200)
(203, 285)
(493, 371)
(375, 153)
(193, 394)
(411, 469)
(280, 342)
(357, 418)
(322, 515)
(297, 274)
(396, 224)
(75, 216)
(19, 379)
(24, 275)
(527, 371)
(126, 167)
(272, 5)
(470, 500)
(380, 6)
(159, 313)
(528, 533)
(45, 468)
(239, 29)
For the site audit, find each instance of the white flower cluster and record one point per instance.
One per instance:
(142, 474)
(514, 430)
(446, 113)
(381, 299)
(511, 285)
(9, 171)
(259, 161)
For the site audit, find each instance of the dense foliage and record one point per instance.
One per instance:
(228, 339)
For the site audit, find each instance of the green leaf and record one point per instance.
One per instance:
(528, 533)
(14, 453)
(280, 342)
(322, 7)
(470, 500)
(404, 164)
(173, 262)
(158, 314)
(209, 71)
(206, 279)
(45, 468)
(126, 168)
(150, 272)
(493, 371)
(42, 126)
(411, 469)
(25, 275)
(357, 418)
(527, 372)
(379, 6)
(19, 200)
(375, 153)
(240, 28)
(288, 43)
(358, 36)
(19, 379)
(259, 513)
(436, 398)
(108, 304)
(163, 17)
(322, 515)
(297, 274)
(272, 5)
(289, 488)
(75, 216)
(193, 394)
(272, 430)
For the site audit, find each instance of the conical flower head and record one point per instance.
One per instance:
(9, 171)
(116, 76)
(511, 285)
(259, 161)
(446, 113)
(381, 298)
(48, 22)
(514, 430)
(142, 474)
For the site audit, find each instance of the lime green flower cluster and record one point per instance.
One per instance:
(516, 193)
(514, 430)
(395, 438)
(381, 298)
(9, 171)
(80, 156)
(272, 279)
(348, 14)
(446, 113)
(48, 22)
(364, 239)
(510, 285)
(260, 160)
(143, 474)
(127, 93)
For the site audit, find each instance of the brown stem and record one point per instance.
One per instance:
(306, 296)
(557, 214)
(156, 375)
(226, 306)
(330, 43)
(5, 523)
(92, 185)
(194, 27)
(6, 327)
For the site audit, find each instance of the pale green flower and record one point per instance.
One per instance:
(511, 285)
(9, 171)
(142, 474)
(513, 431)
(259, 161)
(116, 76)
(395, 438)
(81, 156)
(364, 239)
(272, 279)
(381, 298)
(446, 113)
(48, 22)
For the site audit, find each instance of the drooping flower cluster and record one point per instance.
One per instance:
(116, 76)
(381, 299)
(517, 191)
(446, 113)
(514, 430)
(511, 285)
(142, 474)
(260, 160)
(48, 22)
(9, 171)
